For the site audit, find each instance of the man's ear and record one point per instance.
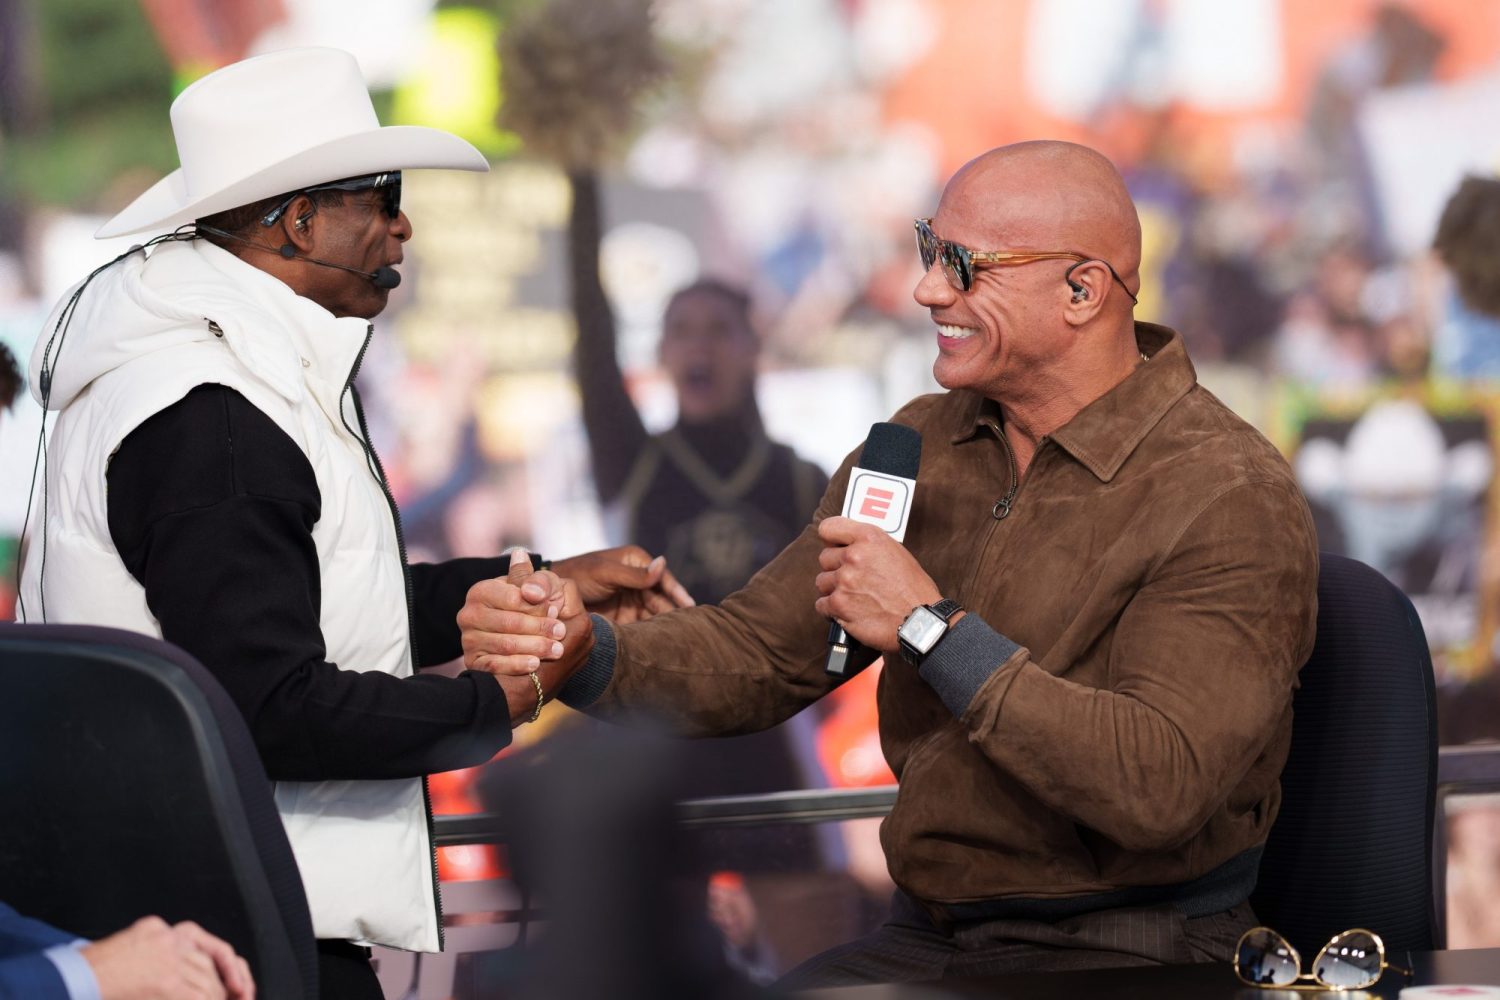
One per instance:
(295, 226)
(1086, 291)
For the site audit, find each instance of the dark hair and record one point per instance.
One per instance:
(1468, 241)
(10, 378)
(737, 297)
(244, 221)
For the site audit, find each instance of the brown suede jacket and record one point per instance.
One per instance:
(1145, 607)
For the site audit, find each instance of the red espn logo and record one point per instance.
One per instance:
(877, 503)
(879, 500)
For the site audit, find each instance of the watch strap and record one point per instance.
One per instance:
(945, 608)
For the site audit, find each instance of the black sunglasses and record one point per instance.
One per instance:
(387, 184)
(959, 262)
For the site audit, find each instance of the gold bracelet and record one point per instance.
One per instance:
(540, 697)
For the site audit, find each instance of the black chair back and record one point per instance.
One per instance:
(130, 787)
(1352, 845)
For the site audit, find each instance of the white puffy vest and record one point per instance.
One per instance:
(144, 335)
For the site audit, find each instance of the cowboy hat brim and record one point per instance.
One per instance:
(167, 203)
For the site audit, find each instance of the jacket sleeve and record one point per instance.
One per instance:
(26, 970)
(438, 591)
(1226, 618)
(20, 935)
(738, 667)
(212, 508)
(32, 977)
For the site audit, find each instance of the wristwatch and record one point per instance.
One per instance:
(922, 629)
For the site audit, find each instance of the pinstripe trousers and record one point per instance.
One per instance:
(910, 947)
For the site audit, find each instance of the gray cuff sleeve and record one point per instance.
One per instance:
(585, 687)
(963, 660)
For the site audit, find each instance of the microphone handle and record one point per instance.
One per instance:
(847, 656)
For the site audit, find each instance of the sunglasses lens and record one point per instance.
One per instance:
(926, 245)
(392, 193)
(960, 268)
(1350, 961)
(1264, 958)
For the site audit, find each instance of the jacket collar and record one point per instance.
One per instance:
(1104, 433)
(319, 349)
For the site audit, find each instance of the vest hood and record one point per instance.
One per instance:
(150, 302)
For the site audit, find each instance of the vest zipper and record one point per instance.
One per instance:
(378, 471)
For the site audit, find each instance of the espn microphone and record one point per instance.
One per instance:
(880, 493)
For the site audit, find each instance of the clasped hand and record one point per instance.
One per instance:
(869, 581)
(538, 621)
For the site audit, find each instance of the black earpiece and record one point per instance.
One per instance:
(1079, 291)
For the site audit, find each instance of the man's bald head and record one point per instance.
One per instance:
(1042, 336)
(1045, 195)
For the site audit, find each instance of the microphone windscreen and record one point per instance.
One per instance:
(893, 449)
(386, 277)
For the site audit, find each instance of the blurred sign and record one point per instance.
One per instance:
(477, 238)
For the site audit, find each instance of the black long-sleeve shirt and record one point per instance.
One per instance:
(212, 508)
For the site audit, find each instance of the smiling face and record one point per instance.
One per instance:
(1020, 324)
(709, 351)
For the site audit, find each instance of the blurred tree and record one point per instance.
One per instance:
(94, 130)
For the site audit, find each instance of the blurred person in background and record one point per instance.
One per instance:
(209, 480)
(149, 960)
(714, 494)
(1467, 341)
(1107, 588)
(732, 910)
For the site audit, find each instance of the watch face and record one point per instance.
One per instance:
(922, 630)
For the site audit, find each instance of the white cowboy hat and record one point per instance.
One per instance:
(276, 123)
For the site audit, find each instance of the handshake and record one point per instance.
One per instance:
(531, 628)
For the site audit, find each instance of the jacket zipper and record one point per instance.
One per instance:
(378, 471)
(1001, 510)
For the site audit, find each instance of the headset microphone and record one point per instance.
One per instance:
(381, 277)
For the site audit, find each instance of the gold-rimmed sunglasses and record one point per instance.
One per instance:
(1352, 960)
(959, 262)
